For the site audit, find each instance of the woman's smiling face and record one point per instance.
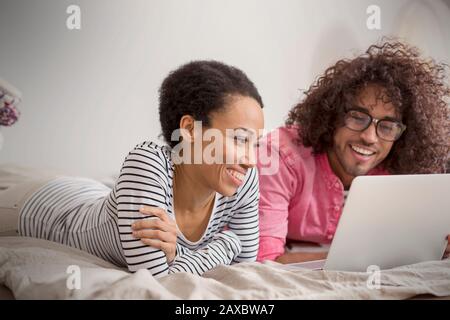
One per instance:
(228, 144)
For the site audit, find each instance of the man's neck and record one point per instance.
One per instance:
(339, 171)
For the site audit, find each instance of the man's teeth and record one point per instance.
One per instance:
(362, 151)
(236, 174)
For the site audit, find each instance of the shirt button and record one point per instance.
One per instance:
(337, 208)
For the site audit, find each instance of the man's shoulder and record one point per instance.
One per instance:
(286, 142)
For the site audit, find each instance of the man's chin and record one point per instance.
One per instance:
(358, 171)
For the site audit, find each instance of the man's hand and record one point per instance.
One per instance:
(159, 233)
(296, 257)
(447, 250)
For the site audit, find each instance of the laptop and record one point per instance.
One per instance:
(390, 221)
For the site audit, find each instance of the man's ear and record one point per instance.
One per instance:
(187, 128)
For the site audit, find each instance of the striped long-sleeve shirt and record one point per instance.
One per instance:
(85, 214)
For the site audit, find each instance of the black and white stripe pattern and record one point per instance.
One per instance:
(87, 215)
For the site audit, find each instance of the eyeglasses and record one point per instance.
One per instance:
(386, 129)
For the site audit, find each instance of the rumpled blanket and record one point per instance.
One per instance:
(40, 269)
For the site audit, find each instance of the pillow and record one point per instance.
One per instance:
(13, 197)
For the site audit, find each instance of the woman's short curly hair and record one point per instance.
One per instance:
(197, 89)
(417, 88)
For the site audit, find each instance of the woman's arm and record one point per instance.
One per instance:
(160, 233)
(236, 244)
(223, 249)
(141, 182)
(245, 220)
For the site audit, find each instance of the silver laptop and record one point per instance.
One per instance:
(390, 221)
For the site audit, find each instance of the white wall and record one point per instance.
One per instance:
(89, 96)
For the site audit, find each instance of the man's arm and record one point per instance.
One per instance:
(297, 257)
(447, 250)
(276, 192)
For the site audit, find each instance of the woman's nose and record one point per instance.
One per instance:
(249, 158)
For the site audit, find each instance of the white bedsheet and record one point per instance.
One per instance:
(37, 269)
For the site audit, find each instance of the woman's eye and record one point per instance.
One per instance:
(241, 139)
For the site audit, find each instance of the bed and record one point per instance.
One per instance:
(39, 269)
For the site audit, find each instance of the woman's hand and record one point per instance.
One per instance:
(447, 250)
(159, 233)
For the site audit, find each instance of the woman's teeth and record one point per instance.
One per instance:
(236, 174)
(362, 151)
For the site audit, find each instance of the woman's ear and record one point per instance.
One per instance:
(187, 128)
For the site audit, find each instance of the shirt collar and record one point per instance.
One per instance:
(332, 181)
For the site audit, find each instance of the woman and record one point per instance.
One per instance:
(169, 211)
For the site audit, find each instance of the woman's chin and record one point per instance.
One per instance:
(227, 191)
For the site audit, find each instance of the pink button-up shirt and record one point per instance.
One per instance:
(302, 200)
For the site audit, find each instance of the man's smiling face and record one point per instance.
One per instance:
(356, 153)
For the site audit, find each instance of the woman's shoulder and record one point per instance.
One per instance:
(151, 153)
(160, 151)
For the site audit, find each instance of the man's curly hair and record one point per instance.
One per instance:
(417, 88)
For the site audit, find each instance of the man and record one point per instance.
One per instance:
(384, 112)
